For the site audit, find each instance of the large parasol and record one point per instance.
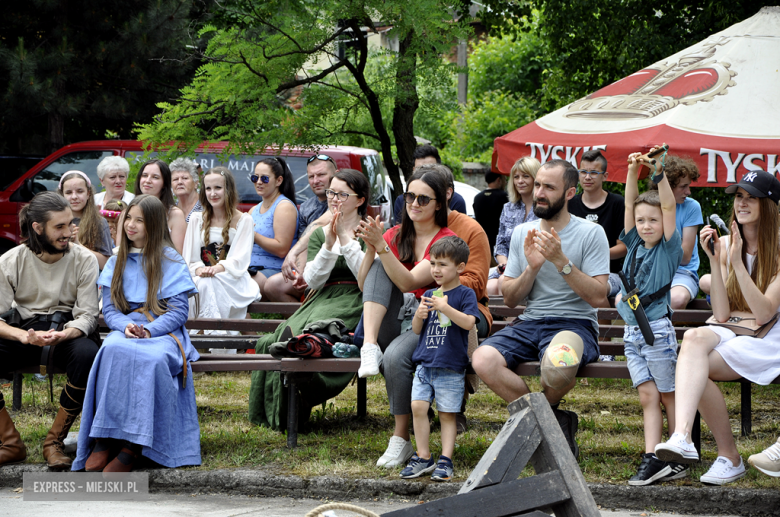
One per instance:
(717, 102)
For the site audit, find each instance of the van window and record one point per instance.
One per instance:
(242, 168)
(84, 161)
(372, 168)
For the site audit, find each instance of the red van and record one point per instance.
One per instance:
(85, 156)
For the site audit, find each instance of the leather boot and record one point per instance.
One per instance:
(53, 446)
(12, 448)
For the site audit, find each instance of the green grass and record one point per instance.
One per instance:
(339, 444)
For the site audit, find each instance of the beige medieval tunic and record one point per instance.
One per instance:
(69, 285)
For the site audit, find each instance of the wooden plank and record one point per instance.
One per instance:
(554, 455)
(501, 500)
(509, 451)
(235, 366)
(335, 364)
(236, 357)
(284, 308)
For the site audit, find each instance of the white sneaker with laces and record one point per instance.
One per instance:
(369, 360)
(768, 461)
(677, 449)
(723, 471)
(398, 453)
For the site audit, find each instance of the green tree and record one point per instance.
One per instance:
(505, 79)
(80, 69)
(593, 43)
(261, 63)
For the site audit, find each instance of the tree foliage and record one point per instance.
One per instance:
(81, 68)
(278, 54)
(593, 43)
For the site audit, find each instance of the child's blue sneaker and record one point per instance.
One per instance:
(443, 471)
(417, 467)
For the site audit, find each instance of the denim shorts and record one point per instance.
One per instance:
(687, 279)
(652, 363)
(446, 386)
(526, 340)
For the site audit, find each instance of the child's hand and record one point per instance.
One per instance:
(439, 302)
(422, 309)
(706, 235)
(634, 162)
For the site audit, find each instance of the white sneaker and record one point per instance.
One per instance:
(723, 471)
(677, 449)
(369, 360)
(398, 453)
(768, 461)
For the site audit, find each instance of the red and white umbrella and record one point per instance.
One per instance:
(717, 102)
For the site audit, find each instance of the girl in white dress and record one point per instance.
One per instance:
(744, 278)
(218, 248)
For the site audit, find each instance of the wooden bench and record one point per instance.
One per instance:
(292, 369)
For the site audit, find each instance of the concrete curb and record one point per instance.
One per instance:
(263, 482)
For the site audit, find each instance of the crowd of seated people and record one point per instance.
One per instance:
(415, 295)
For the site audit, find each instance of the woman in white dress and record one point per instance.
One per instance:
(744, 278)
(218, 248)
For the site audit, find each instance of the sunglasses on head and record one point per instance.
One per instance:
(422, 200)
(263, 179)
(322, 157)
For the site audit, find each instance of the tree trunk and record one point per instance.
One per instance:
(406, 104)
(56, 131)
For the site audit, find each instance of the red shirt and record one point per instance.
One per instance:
(390, 234)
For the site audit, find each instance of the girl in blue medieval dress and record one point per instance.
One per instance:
(140, 398)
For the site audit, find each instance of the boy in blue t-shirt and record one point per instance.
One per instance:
(443, 321)
(654, 252)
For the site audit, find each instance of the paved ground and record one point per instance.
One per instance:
(168, 505)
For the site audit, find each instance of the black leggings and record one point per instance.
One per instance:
(74, 356)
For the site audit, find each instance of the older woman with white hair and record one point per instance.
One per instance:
(112, 172)
(184, 177)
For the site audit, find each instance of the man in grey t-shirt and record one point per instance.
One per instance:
(558, 265)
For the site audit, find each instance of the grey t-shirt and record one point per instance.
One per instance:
(585, 244)
(310, 211)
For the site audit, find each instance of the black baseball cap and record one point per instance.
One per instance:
(759, 184)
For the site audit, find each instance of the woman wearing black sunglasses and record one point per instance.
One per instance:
(275, 218)
(398, 262)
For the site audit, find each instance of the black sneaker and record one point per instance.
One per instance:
(650, 470)
(569, 423)
(678, 471)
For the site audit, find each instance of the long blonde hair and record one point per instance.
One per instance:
(525, 165)
(765, 266)
(157, 239)
(231, 201)
(90, 226)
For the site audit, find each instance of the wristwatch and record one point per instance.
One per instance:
(386, 249)
(566, 269)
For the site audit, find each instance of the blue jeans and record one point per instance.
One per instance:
(446, 386)
(655, 362)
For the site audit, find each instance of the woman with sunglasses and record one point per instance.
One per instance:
(334, 258)
(154, 178)
(275, 219)
(518, 211)
(398, 262)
